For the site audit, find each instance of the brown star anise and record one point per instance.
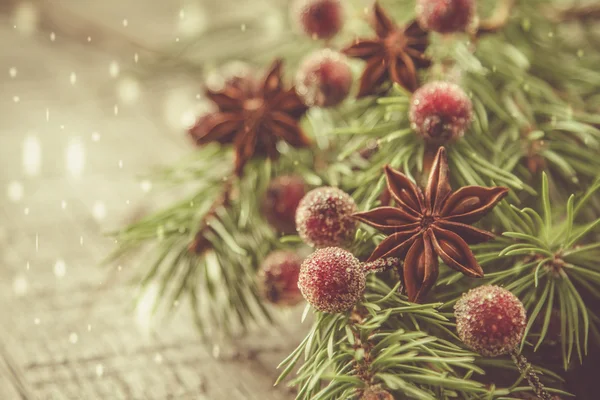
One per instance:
(424, 226)
(253, 117)
(395, 54)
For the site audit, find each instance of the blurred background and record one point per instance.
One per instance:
(94, 95)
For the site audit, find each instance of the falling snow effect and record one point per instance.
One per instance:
(32, 155)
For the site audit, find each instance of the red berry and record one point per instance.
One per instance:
(281, 201)
(324, 217)
(440, 112)
(376, 393)
(445, 16)
(278, 277)
(332, 280)
(324, 79)
(490, 320)
(321, 19)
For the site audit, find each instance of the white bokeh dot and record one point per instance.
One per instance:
(99, 211)
(60, 268)
(20, 285)
(15, 191)
(114, 69)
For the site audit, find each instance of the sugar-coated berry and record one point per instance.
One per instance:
(490, 320)
(376, 393)
(332, 280)
(324, 78)
(281, 201)
(445, 16)
(323, 217)
(440, 112)
(320, 19)
(278, 277)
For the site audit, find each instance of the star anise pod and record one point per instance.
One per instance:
(253, 117)
(437, 223)
(396, 54)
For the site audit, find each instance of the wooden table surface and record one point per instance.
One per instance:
(76, 128)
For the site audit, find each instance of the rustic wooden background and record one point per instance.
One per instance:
(85, 107)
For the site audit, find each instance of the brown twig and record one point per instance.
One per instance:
(498, 20)
(201, 244)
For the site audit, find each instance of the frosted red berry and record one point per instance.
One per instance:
(320, 19)
(440, 112)
(324, 78)
(324, 217)
(278, 277)
(332, 280)
(281, 201)
(376, 393)
(490, 320)
(445, 16)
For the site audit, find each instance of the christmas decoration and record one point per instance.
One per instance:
(530, 71)
(490, 320)
(320, 19)
(278, 277)
(425, 226)
(324, 79)
(332, 280)
(445, 16)
(395, 54)
(440, 112)
(253, 120)
(281, 201)
(323, 217)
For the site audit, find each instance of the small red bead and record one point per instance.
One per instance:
(281, 201)
(324, 217)
(440, 112)
(445, 16)
(490, 320)
(324, 79)
(278, 277)
(332, 280)
(321, 19)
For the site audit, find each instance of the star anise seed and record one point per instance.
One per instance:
(253, 117)
(424, 226)
(396, 54)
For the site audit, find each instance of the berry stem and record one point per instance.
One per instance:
(381, 264)
(527, 370)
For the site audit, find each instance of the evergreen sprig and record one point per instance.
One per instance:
(552, 266)
(388, 342)
(202, 252)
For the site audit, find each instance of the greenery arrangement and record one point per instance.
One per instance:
(407, 123)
